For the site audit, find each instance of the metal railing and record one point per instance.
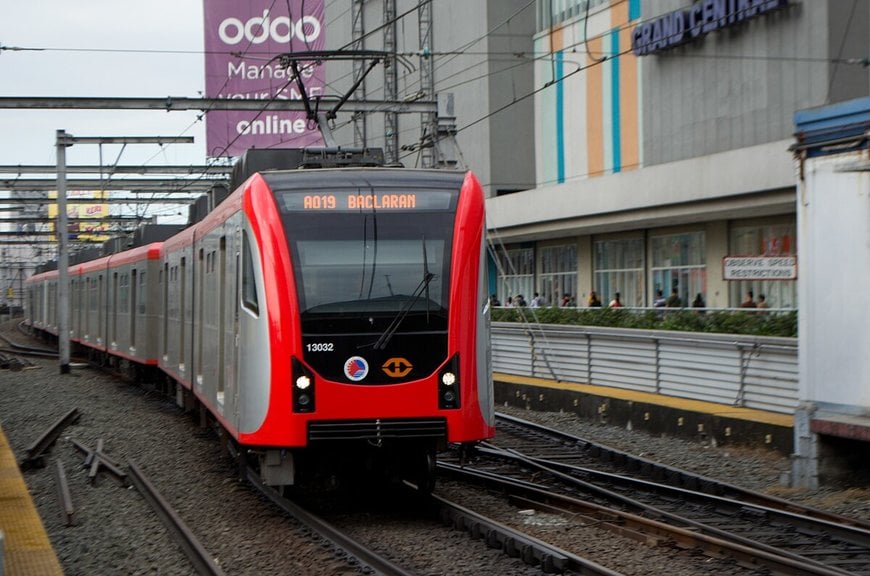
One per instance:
(747, 371)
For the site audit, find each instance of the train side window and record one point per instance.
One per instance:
(249, 282)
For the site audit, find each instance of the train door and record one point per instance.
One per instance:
(134, 305)
(222, 281)
(101, 306)
(235, 303)
(200, 312)
(113, 334)
(80, 324)
(86, 329)
(51, 319)
(181, 315)
(165, 311)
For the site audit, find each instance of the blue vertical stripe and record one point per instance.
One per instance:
(614, 100)
(633, 10)
(560, 120)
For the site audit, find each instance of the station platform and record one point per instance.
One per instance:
(679, 417)
(26, 549)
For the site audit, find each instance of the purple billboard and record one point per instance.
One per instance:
(243, 42)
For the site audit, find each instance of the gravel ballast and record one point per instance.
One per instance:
(117, 533)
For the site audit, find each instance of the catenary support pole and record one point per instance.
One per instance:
(62, 256)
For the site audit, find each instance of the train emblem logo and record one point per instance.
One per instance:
(397, 367)
(356, 368)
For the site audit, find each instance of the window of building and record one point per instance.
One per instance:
(517, 270)
(764, 240)
(619, 268)
(553, 12)
(558, 272)
(679, 261)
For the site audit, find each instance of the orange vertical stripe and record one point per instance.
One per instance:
(594, 121)
(618, 13)
(557, 38)
(628, 104)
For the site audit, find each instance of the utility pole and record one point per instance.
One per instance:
(63, 315)
(358, 31)
(429, 124)
(63, 141)
(391, 83)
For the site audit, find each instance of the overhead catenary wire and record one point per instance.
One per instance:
(447, 56)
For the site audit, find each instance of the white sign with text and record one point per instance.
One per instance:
(759, 268)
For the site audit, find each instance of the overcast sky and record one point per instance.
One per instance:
(100, 48)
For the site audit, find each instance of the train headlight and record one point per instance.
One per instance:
(448, 385)
(302, 391)
(303, 382)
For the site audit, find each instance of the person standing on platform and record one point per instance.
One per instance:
(593, 301)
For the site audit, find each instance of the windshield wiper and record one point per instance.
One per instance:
(423, 286)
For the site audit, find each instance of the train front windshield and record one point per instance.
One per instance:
(366, 261)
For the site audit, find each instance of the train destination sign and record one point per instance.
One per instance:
(355, 201)
(759, 268)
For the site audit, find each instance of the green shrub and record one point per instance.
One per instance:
(686, 320)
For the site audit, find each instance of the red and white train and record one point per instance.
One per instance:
(328, 319)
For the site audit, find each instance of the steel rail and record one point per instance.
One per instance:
(673, 476)
(64, 496)
(199, 557)
(706, 506)
(16, 348)
(360, 552)
(36, 450)
(618, 521)
(674, 519)
(845, 529)
(515, 543)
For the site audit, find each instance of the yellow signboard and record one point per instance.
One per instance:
(99, 209)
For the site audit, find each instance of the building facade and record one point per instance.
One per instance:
(19, 253)
(662, 146)
(479, 54)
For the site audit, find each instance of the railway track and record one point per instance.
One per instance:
(535, 440)
(754, 528)
(532, 550)
(13, 352)
(200, 559)
(361, 557)
(366, 559)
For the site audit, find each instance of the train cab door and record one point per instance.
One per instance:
(134, 305)
(233, 304)
(222, 322)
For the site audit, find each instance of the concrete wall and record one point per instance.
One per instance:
(733, 88)
(832, 422)
(834, 286)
